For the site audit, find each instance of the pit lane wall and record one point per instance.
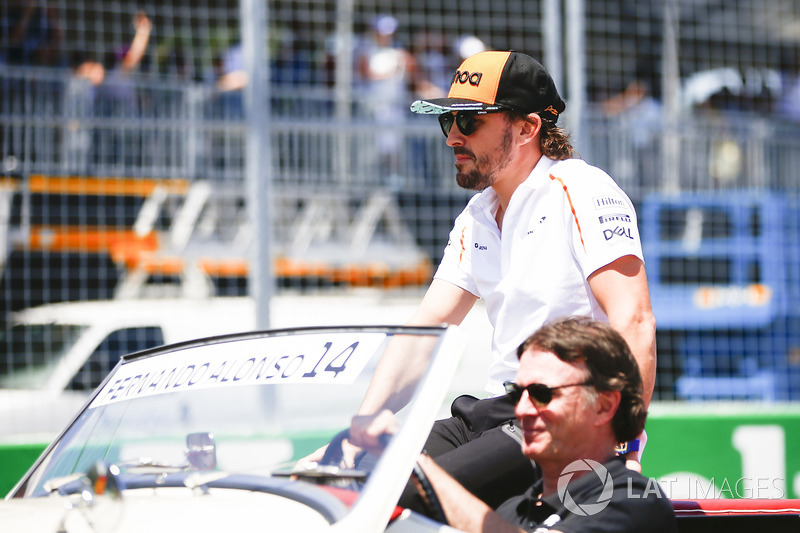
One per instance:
(695, 451)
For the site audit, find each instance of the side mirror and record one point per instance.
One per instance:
(201, 451)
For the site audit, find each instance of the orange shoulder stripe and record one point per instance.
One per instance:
(572, 208)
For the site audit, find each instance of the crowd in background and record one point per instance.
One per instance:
(391, 65)
(32, 34)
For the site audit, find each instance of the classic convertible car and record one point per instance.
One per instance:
(211, 435)
(207, 436)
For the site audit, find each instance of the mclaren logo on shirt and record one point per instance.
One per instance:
(619, 231)
(533, 230)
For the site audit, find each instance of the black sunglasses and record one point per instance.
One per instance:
(540, 394)
(464, 119)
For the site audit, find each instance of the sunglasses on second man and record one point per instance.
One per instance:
(540, 395)
(465, 120)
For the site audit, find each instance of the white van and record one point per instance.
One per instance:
(59, 353)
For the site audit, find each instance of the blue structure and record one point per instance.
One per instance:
(723, 272)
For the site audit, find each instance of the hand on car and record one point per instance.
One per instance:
(366, 430)
(365, 434)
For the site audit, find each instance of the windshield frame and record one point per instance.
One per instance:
(404, 447)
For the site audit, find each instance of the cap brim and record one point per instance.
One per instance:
(437, 106)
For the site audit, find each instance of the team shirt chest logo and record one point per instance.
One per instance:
(535, 227)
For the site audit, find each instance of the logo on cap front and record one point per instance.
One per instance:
(478, 77)
(473, 78)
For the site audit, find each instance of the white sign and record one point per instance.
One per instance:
(313, 358)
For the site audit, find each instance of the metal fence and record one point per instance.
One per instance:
(136, 183)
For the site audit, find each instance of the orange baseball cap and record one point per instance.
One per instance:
(488, 81)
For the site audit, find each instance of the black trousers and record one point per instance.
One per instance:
(478, 448)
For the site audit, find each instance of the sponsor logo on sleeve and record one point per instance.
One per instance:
(609, 202)
(619, 231)
(617, 217)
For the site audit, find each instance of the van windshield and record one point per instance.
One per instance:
(32, 351)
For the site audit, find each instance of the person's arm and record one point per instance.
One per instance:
(404, 361)
(463, 510)
(138, 47)
(621, 290)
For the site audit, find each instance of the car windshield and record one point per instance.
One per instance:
(251, 404)
(37, 348)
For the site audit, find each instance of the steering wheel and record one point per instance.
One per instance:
(334, 453)
(429, 497)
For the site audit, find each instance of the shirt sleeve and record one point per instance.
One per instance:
(604, 226)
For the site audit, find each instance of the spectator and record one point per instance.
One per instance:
(466, 46)
(122, 97)
(35, 35)
(636, 113)
(80, 96)
(788, 105)
(123, 62)
(434, 70)
(231, 79)
(386, 71)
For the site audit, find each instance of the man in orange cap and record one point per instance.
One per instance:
(547, 236)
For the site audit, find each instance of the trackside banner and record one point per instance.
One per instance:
(725, 450)
(323, 358)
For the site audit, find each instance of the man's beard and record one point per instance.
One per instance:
(485, 169)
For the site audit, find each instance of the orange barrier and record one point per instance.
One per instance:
(77, 239)
(358, 275)
(39, 183)
(127, 248)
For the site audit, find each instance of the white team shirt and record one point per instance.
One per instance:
(566, 220)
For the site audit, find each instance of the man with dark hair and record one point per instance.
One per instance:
(547, 236)
(578, 392)
(607, 358)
